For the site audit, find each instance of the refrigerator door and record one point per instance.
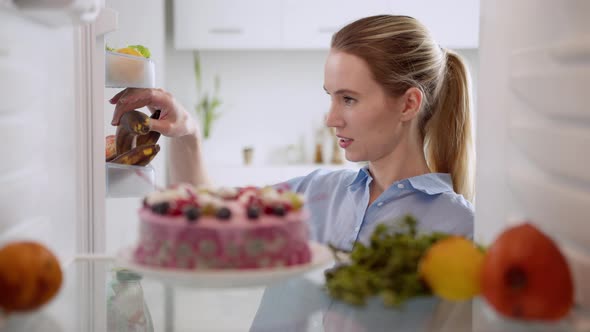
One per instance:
(51, 186)
(533, 124)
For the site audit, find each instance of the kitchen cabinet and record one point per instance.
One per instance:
(453, 23)
(227, 24)
(310, 24)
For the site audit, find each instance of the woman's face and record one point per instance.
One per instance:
(368, 122)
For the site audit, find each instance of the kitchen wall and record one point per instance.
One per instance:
(271, 99)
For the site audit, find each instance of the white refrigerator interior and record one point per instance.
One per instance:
(533, 133)
(39, 126)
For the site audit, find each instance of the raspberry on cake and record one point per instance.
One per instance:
(223, 228)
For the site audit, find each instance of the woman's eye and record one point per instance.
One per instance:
(348, 100)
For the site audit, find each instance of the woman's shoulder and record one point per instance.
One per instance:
(454, 213)
(439, 186)
(441, 208)
(457, 201)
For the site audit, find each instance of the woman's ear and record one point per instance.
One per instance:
(412, 100)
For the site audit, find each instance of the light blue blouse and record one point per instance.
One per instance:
(338, 202)
(340, 215)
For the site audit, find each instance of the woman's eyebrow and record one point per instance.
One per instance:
(342, 91)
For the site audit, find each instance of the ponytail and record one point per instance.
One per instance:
(448, 131)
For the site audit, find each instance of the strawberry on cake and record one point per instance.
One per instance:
(185, 227)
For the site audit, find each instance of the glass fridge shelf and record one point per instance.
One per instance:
(129, 180)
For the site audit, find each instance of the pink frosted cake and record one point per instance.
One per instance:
(228, 228)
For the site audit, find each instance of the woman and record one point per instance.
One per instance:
(398, 101)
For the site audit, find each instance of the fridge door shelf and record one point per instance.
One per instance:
(57, 13)
(129, 181)
(128, 71)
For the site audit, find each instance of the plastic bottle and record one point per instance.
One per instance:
(126, 307)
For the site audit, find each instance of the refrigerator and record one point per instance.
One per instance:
(533, 129)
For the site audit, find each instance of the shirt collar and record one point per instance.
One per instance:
(360, 177)
(431, 183)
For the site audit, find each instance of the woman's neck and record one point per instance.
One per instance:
(406, 161)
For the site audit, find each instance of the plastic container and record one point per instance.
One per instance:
(128, 71)
(129, 181)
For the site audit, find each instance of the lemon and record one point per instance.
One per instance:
(129, 51)
(451, 267)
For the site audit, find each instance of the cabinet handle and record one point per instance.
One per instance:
(327, 29)
(226, 31)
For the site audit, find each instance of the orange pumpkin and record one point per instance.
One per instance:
(30, 276)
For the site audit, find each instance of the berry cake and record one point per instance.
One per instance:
(184, 227)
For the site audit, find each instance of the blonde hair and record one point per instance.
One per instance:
(401, 54)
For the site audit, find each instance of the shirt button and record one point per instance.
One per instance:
(379, 204)
(400, 185)
(357, 228)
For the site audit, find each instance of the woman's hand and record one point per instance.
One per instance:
(186, 163)
(174, 120)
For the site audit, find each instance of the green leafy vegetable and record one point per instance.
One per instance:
(110, 49)
(386, 267)
(145, 52)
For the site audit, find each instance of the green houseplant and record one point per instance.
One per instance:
(207, 107)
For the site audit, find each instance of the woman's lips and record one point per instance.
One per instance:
(344, 142)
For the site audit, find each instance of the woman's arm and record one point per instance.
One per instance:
(186, 162)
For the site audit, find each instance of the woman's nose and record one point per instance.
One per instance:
(333, 119)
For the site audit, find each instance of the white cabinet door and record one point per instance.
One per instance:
(227, 24)
(310, 24)
(453, 23)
